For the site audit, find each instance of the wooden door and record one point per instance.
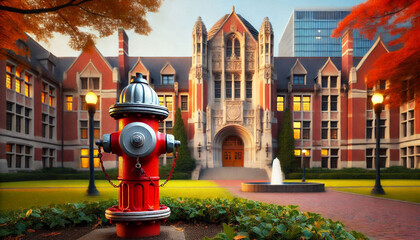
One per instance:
(233, 152)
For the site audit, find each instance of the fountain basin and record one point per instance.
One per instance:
(284, 187)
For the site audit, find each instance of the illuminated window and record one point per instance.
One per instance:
(169, 103)
(18, 85)
(10, 71)
(297, 152)
(51, 99)
(8, 81)
(296, 103)
(280, 103)
(69, 103)
(44, 93)
(334, 129)
(306, 103)
(84, 158)
(161, 100)
(83, 129)
(329, 158)
(296, 130)
(28, 84)
(96, 129)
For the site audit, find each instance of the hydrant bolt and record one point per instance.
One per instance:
(137, 140)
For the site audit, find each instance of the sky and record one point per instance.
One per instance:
(172, 25)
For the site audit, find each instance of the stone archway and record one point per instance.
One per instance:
(246, 147)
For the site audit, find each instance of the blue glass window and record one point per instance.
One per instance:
(299, 79)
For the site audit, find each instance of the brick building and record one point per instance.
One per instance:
(232, 93)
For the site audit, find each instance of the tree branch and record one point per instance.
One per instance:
(70, 3)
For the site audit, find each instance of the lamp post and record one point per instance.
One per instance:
(377, 100)
(91, 100)
(304, 155)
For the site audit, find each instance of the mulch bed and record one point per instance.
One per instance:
(191, 231)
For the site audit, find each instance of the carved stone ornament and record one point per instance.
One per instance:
(233, 28)
(267, 73)
(233, 113)
(198, 73)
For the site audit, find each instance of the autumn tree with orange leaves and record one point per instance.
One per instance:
(401, 19)
(82, 20)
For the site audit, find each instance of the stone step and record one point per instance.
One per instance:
(233, 173)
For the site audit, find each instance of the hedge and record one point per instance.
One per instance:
(394, 172)
(72, 174)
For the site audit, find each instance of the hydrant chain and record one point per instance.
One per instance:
(103, 169)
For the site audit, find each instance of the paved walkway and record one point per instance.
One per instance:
(375, 217)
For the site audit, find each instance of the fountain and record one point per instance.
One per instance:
(277, 184)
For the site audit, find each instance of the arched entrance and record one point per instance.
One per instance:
(233, 152)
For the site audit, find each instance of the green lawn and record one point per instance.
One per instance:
(399, 189)
(40, 193)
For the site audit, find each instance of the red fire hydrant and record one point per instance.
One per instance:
(140, 144)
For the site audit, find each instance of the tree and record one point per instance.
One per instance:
(286, 145)
(82, 20)
(184, 162)
(401, 19)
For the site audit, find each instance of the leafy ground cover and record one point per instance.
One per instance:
(15, 195)
(244, 219)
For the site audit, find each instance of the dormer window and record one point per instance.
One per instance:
(299, 79)
(167, 79)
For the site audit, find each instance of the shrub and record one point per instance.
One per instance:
(185, 163)
(286, 145)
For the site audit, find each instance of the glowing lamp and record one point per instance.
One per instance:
(91, 98)
(377, 98)
(304, 152)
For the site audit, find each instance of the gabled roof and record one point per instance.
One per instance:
(312, 65)
(377, 43)
(219, 24)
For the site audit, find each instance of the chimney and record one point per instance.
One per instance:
(346, 54)
(122, 59)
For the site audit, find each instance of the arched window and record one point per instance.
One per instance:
(229, 48)
(237, 48)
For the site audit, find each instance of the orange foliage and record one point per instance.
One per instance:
(82, 20)
(399, 18)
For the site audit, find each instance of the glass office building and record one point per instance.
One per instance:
(308, 34)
